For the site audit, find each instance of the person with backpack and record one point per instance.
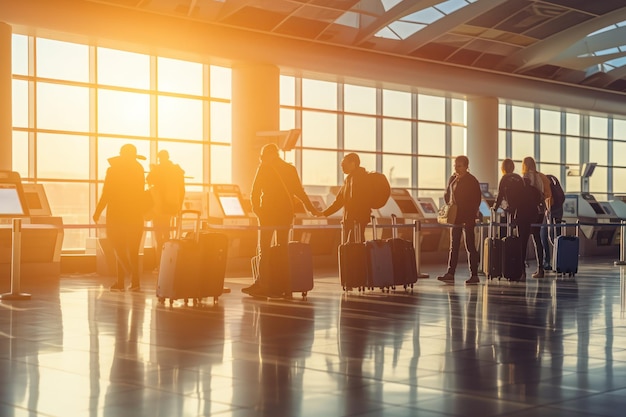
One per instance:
(464, 190)
(553, 216)
(537, 197)
(167, 186)
(510, 189)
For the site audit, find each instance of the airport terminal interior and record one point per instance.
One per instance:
(407, 85)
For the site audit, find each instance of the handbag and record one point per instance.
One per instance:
(447, 213)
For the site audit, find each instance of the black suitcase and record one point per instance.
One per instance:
(492, 252)
(353, 269)
(513, 266)
(404, 260)
(213, 258)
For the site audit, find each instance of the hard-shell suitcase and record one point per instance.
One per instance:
(512, 263)
(379, 261)
(403, 257)
(352, 263)
(565, 254)
(213, 258)
(492, 252)
(300, 267)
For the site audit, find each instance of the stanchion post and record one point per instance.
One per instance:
(417, 234)
(16, 262)
(481, 249)
(622, 244)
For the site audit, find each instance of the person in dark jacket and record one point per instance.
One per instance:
(123, 197)
(353, 196)
(275, 185)
(464, 190)
(510, 193)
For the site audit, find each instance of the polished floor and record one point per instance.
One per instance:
(550, 347)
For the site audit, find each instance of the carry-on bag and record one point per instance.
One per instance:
(403, 257)
(513, 266)
(492, 251)
(213, 258)
(379, 261)
(565, 253)
(352, 261)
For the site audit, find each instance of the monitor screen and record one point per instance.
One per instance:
(406, 205)
(485, 211)
(428, 207)
(231, 205)
(10, 203)
(32, 200)
(570, 206)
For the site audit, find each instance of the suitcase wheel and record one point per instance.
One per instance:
(215, 299)
(304, 293)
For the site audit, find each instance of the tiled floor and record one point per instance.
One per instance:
(545, 348)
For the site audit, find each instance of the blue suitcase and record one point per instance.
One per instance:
(379, 262)
(565, 253)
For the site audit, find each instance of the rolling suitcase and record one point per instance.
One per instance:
(213, 249)
(512, 263)
(403, 258)
(492, 252)
(179, 268)
(300, 267)
(379, 261)
(352, 259)
(565, 254)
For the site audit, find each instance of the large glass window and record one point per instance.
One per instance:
(123, 113)
(397, 136)
(360, 133)
(62, 107)
(180, 118)
(359, 99)
(62, 60)
(123, 69)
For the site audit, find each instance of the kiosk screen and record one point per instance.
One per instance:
(484, 209)
(406, 206)
(231, 205)
(429, 208)
(10, 203)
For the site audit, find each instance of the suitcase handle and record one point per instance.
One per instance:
(374, 231)
(179, 223)
(394, 230)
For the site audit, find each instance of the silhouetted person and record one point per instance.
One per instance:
(275, 185)
(167, 185)
(354, 197)
(464, 190)
(123, 197)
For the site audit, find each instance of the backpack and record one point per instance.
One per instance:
(514, 192)
(558, 195)
(533, 199)
(379, 187)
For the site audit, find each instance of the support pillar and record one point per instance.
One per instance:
(6, 102)
(482, 139)
(255, 108)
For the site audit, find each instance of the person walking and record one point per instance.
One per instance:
(464, 190)
(124, 199)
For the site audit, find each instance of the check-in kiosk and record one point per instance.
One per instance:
(227, 207)
(42, 234)
(596, 237)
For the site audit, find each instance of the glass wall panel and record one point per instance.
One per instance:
(19, 54)
(221, 122)
(188, 155)
(598, 182)
(431, 139)
(545, 168)
(598, 152)
(62, 156)
(619, 153)
(598, 127)
(123, 113)
(319, 130)
(572, 150)
(522, 118)
(501, 145)
(20, 103)
(431, 108)
(19, 153)
(110, 147)
(550, 121)
(180, 118)
(123, 69)
(619, 180)
(62, 107)
(368, 161)
(319, 167)
(221, 82)
(359, 133)
(396, 136)
(398, 170)
(459, 111)
(459, 140)
(288, 119)
(319, 94)
(571, 184)
(431, 173)
(523, 145)
(396, 104)
(177, 76)
(287, 90)
(62, 60)
(619, 129)
(550, 148)
(359, 99)
(502, 116)
(221, 165)
(572, 124)
(68, 200)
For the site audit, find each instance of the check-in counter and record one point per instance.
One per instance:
(597, 237)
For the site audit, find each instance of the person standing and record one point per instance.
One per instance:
(276, 183)
(464, 190)
(354, 197)
(124, 199)
(167, 186)
(553, 216)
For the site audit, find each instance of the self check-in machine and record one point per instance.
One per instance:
(596, 236)
(42, 234)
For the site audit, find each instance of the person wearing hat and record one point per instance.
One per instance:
(167, 186)
(123, 197)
